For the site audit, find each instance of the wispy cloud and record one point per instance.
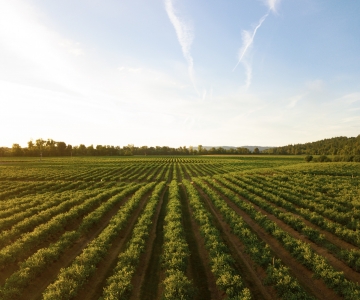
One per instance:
(272, 5)
(185, 35)
(248, 39)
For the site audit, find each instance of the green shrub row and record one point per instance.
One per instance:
(303, 253)
(73, 277)
(43, 258)
(175, 251)
(221, 261)
(258, 250)
(27, 241)
(118, 285)
(349, 257)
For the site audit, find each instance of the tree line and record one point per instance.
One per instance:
(49, 147)
(337, 146)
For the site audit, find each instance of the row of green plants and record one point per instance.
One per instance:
(31, 188)
(174, 172)
(278, 275)
(118, 285)
(158, 174)
(325, 207)
(167, 172)
(42, 259)
(151, 169)
(303, 253)
(17, 205)
(31, 217)
(221, 261)
(72, 278)
(341, 192)
(175, 252)
(29, 240)
(299, 206)
(349, 257)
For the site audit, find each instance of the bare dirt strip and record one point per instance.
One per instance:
(215, 293)
(328, 235)
(252, 276)
(36, 288)
(349, 273)
(314, 286)
(139, 277)
(13, 267)
(93, 289)
(198, 269)
(151, 281)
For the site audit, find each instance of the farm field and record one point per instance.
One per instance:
(184, 227)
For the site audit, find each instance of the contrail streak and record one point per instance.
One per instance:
(248, 40)
(185, 37)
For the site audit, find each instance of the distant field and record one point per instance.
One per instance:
(191, 227)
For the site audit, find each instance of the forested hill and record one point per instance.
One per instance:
(335, 146)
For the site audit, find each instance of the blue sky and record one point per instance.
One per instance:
(179, 72)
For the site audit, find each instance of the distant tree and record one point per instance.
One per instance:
(61, 148)
(16, 150)
(191, 150)
(256, 151)
(40, 145)
(50, 147)
(308, 158)
(200, 149)
(90, 150)
(144, 150)
(69, 150)
(81, 150)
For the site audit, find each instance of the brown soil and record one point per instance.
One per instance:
(35, 289)
(328, 235)
(156, 173)
(199, 263)
(94, 287)
(305, 276)
(13, 267)
(215, 293)
(145, 259)
(151, 287)
(253, 276)
(335, 262)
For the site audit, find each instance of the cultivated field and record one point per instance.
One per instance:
(222, 227)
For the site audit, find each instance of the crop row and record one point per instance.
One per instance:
(27, 241)
(73, 277)
(350, 257)
(300, 207)
(44, 257)
(325, 207)
(118, 285)
(227, 278)
(302, 252)
(175, 252)
(278, 275)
